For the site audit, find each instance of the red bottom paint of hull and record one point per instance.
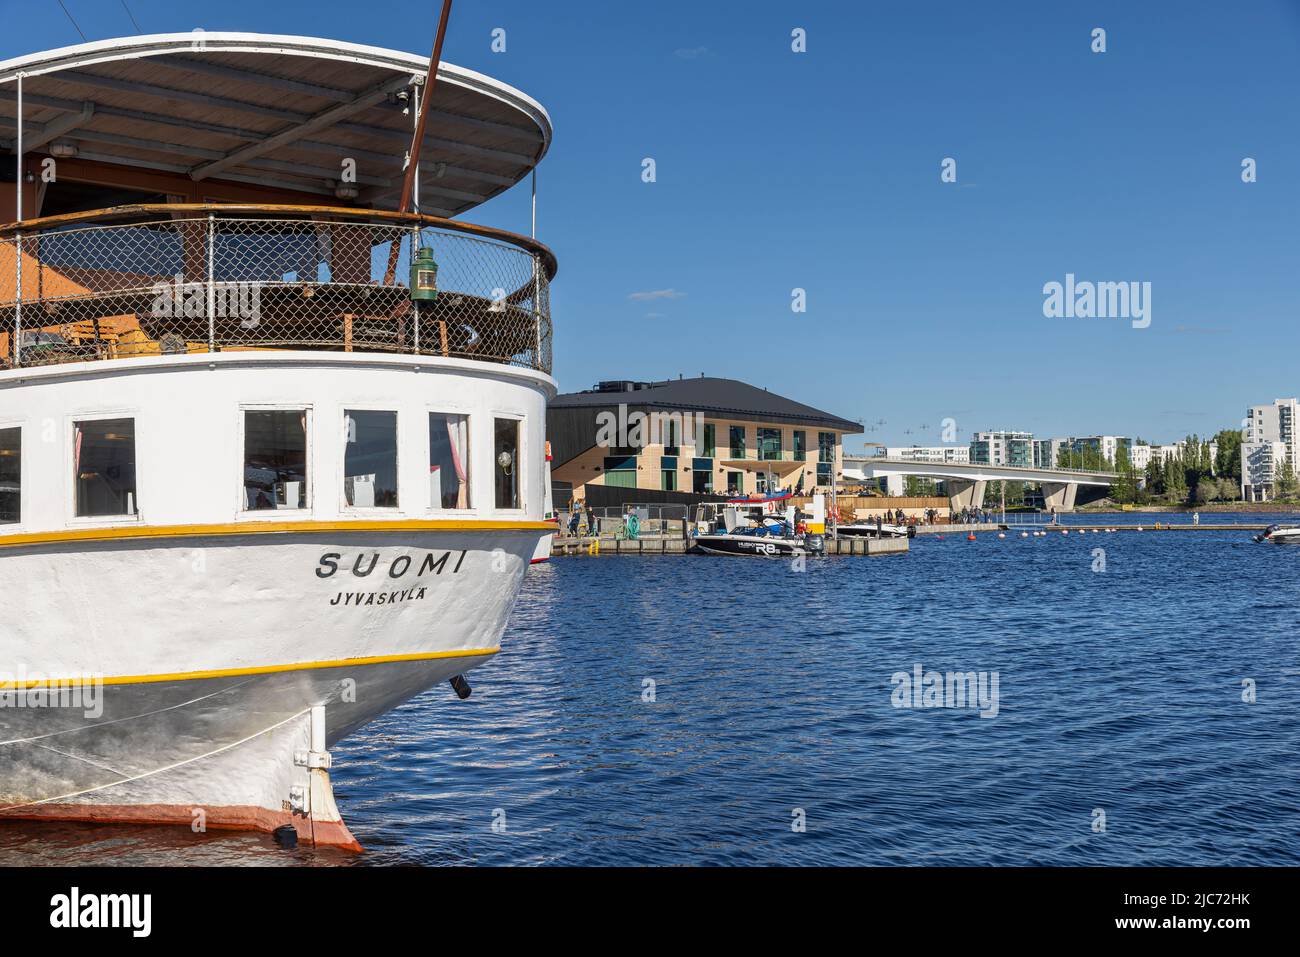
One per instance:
(230, 818)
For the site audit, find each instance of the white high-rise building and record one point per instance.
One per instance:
(1002, 448)
(1269, 445)
(1261, 462)
(1047, 452)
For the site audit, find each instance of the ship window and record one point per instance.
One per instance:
(505, 459)
(11, 474)
(448, 460)
(275, 459)
(104, 467)
(370, 461)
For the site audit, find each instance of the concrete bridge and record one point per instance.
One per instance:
(966, 482)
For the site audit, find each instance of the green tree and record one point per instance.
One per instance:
(1227, 461)
(917, 485)
(1285, 485)
(1155, 477)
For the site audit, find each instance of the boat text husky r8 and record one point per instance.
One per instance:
(768, 526)
(271, 446)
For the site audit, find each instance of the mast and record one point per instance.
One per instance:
(417, 141)
(408, 182)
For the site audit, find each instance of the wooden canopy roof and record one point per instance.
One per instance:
(276, 111)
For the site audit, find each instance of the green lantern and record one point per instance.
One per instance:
(424, 275)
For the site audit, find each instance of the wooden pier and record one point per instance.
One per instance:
(985, 528)
(564, 546)
(1152, 527)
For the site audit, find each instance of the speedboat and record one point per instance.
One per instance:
(877, 530)
(1280, 535)
(759, 527)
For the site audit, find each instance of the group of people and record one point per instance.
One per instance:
(896, 516)
(972, 516)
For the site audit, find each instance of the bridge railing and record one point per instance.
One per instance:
(922, 464)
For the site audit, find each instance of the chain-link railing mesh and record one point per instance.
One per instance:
(200, 284)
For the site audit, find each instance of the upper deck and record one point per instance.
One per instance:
(211, 192)
(181, 278)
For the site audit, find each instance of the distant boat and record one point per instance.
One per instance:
(877, 530)
(1280, 535)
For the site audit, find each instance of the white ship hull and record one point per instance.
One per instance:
(197, 673)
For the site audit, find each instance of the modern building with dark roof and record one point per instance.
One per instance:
(703, 436)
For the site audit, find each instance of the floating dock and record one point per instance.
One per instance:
(985, 528)
(562, 546)
(1153, 527)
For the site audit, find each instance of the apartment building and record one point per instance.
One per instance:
(1002, 448)
(1269, 445)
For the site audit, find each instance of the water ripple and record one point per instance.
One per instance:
(1119, 694)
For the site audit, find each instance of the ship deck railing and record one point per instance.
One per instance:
(161, 279)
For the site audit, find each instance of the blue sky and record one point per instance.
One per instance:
(820, 170)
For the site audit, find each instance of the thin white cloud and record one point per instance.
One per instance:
(691, 53)
(656, 294)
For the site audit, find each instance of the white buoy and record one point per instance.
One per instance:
(1002, 534)
(1024, 534)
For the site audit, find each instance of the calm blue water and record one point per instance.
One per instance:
(1148, 519)
(1119, 691)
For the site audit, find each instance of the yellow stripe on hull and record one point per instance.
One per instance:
(243, 672)
(126, 533)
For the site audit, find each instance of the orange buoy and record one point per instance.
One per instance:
(970, 537)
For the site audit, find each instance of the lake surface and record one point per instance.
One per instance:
(1120, 692)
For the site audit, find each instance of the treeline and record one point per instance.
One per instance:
(1192, 477)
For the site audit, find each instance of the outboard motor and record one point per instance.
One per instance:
(814, 543)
